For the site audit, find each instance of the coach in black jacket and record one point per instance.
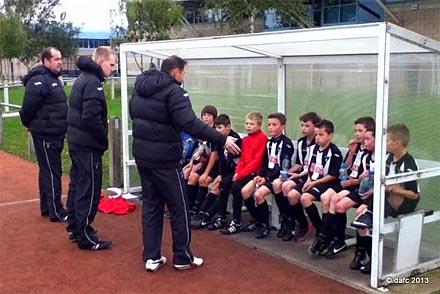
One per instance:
(161, 110)
(44, 112)
(87, 138)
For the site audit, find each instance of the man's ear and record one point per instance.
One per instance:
(173, 72)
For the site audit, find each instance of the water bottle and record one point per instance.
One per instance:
(343, 172)
(188, 147)
(285, 165)
(367, 183)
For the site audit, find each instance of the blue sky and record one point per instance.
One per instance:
(89, 15)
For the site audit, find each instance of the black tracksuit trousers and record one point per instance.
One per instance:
(84, 195)
(160, 187)
(48, 153)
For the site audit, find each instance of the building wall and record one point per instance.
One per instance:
(421, 16)
(210, 29)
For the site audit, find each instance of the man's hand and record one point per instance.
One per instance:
(231, 146)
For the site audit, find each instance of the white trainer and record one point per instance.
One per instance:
(154, 265)
(197, 261)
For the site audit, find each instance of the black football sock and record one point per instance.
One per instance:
(327, 226)
(208, 202)
(263, 213)
(314, 217)
(282, 203)
(298, 214)
(340, 224)
(250, 205)
(191, 191)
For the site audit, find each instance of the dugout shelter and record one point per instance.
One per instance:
(342, 72)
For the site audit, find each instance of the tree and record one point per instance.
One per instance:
(151, 20)
(12, 42)
(38, 18)
(235, 11)
(63, 36)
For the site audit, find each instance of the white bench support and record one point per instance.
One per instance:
(408, 245)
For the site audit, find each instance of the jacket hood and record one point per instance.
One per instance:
(85, 63)
(38, 70)
(153, 81)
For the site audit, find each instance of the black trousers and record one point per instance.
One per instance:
(84, 194)
(48, 153)
(160, 187)
(237, 197)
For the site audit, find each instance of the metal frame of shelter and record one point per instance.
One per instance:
(280, 49)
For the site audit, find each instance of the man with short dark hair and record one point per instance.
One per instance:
(161, 110)
(44, 113)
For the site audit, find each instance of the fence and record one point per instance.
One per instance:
(8, 109)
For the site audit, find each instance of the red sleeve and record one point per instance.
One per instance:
(254, 165)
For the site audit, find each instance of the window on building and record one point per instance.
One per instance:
(339, 11)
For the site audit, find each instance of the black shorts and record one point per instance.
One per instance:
(300, 181)
(405, 207)
(316, 191)
(226, 183)
(269, 185)
(354, 195)
(212, 174)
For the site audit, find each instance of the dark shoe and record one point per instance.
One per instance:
(59, 219)
(219, 223)
(197, 262)
(250, 227)
(196, 221)
(318, 245)
(72, 237)
(289, 232)
(231, 229)
(334, 248)
(357, 261)
(300, 232)
(263, 231)
(366, 269)
(363, 221)
(282, 229)
(98, 245)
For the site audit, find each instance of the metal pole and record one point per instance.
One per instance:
(115, 159)
(112, 95)
(6, 95)
(1, 126)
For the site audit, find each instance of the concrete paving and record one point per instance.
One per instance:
(336, 267)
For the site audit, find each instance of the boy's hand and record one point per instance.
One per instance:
(395, 188)
(308, 185)
(367, 195)
(349, 182)
(352, 144)
(261, 181)
(231, 146)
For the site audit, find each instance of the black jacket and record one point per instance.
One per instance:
(161, 110)
(87, 118)
(44, 108)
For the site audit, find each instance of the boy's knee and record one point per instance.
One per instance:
(293, 197)
(306, 200)
(260, 196)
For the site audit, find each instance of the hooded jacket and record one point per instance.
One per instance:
(44, 108)
(87, 118)
(161, 110)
